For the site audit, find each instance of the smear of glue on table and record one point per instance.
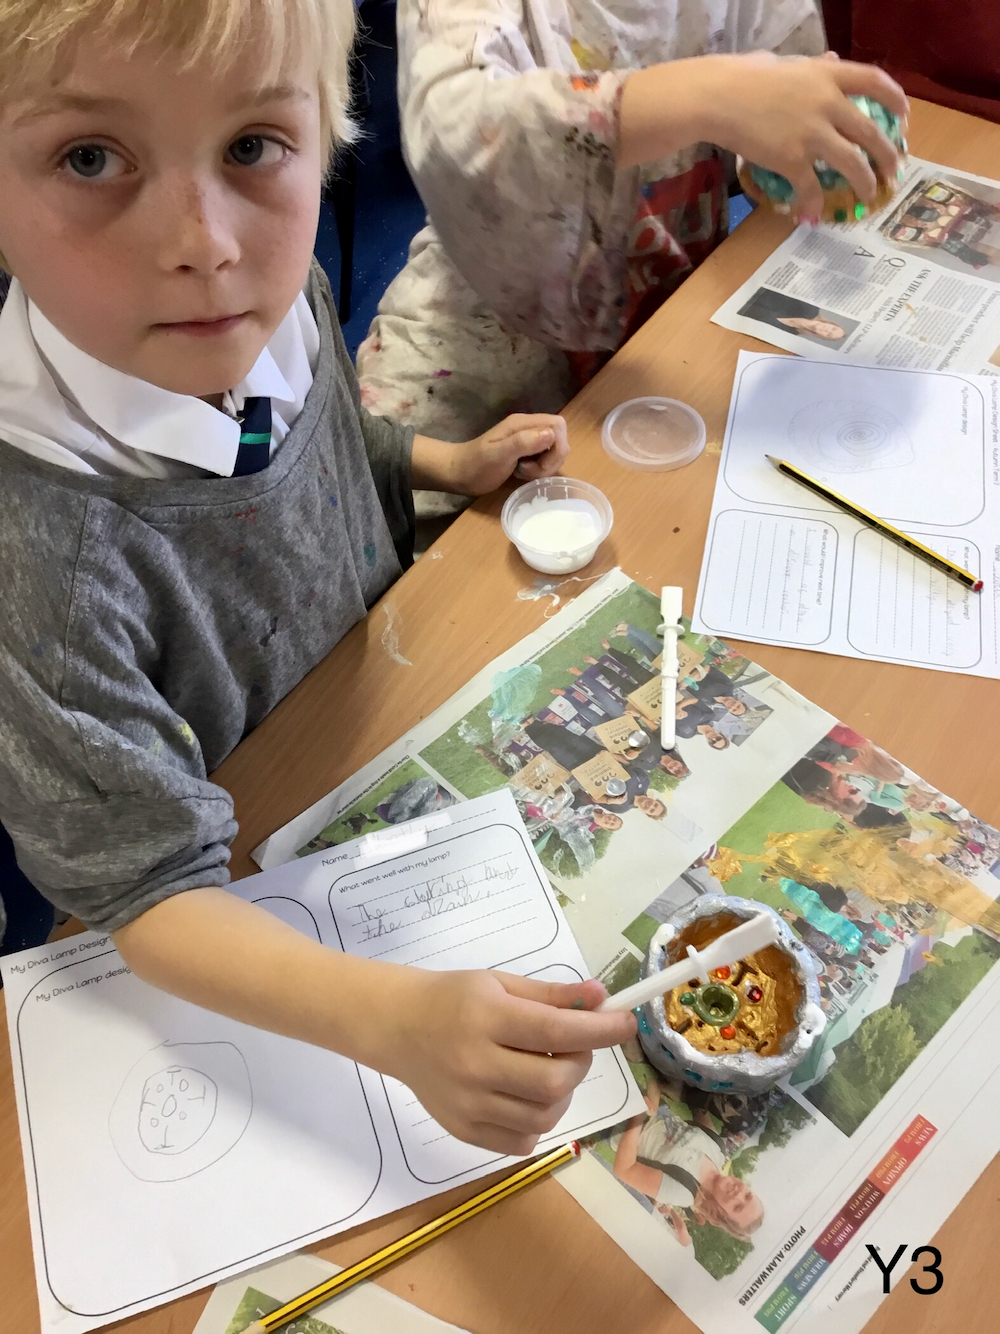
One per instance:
(547, 588)
(390, 635)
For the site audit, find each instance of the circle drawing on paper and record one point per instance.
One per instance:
(181, 1108)
(178, 1107)
(850, 437)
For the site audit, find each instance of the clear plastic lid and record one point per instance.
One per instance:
(654, 434)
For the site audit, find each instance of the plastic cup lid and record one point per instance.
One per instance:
(654, 434)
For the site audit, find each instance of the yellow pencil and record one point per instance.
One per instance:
(388, 1255)
(886, 529)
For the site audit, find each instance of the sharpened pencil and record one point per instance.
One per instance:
(910, 544)
(374, 1264)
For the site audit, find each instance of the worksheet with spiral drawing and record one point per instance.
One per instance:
(920, 449)
(166, 1147)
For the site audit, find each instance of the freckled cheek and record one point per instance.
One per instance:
(281, 237)
(83, 279)
(299, 207)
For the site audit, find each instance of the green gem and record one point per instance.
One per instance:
(840, 215)
(859, 211)
(688, 998)
(716, 1004)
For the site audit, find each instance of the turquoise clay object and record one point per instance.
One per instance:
(778, 189)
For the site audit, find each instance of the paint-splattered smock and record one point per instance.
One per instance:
(538, 246)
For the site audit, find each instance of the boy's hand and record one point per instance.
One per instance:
(524, 446)
(780, 112)
(495, 1058)
(473, 1046)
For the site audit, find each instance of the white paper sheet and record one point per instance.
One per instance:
(918, 448)
(366, 1309)
(166, 1146)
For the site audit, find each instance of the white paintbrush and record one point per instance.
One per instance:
(670, 611)
(723, 952)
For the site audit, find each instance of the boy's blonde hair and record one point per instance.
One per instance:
(37, 37)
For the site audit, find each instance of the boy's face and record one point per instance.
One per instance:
(163, 221)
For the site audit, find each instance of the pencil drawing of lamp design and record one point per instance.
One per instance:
(740, 1027)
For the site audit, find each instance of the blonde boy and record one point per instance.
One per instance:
(194, 509)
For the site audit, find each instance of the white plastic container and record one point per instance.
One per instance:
(557, 523)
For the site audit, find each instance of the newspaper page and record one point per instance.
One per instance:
(879, 1133)
(363, 1309)
(915, 285)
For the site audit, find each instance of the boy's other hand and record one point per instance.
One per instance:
(523, 446)
(495, 1058)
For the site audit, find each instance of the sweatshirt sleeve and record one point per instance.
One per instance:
(389, 445)
(107, 817)
(390, 448)
(516, 165)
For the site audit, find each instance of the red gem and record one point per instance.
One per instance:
(754, 994)
(728, 1032)
(722, 973)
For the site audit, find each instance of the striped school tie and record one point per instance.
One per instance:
(254, 452)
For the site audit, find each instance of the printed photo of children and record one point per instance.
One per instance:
(890, 884)
(717, 706)
(407, 793)
(575, 734)
(952, 219)
(692, 1158)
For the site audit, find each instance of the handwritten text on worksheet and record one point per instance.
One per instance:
(427, 907)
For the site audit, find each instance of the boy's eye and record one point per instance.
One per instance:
(253, 150)
(93, 162)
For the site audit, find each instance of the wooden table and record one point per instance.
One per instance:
(538, 1264)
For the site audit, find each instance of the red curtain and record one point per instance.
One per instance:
(946, 51)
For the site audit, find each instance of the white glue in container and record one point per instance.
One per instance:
(557, 523)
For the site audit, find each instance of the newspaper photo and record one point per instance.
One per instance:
(916, 284)
(574, 708)
(363, 1309)
(756, 1211)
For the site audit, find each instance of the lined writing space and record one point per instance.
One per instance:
(903, 607)
(471, 901)
(770, 576)
(472, 897)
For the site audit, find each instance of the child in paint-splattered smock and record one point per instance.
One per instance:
(550, 238)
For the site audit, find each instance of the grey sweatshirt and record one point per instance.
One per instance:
(147, 626)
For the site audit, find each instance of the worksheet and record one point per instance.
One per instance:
(920, 449)
(166, 1146)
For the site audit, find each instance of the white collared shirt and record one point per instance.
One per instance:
(62, 405)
